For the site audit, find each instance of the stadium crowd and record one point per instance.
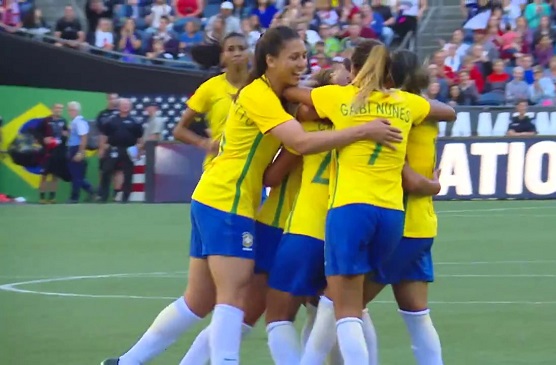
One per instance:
(509, 57)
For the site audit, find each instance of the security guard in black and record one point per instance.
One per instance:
(122, 131)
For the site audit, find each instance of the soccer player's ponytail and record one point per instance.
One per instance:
(371, 62)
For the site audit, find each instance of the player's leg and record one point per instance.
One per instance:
(53, 186)
(229, 245)
(322, 339)
(293, 278)
(412, 296)
(117, 183)
(349, 233)
(199, 351)
(186, 311)
(311, 304)
(43, 187)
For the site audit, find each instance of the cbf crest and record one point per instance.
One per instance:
(247, 241)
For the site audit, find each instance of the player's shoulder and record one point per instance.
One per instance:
(258, 87)
(217, 80)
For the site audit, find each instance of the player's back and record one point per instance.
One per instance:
(420, 217)
(233, 181)
(308, 215)
(367, 172)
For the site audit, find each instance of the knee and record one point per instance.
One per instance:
(200, 305)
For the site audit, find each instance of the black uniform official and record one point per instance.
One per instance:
(122, 131)
(102, 118)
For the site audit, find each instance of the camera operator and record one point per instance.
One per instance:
(122, 131)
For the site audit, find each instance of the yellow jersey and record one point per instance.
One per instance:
(213, 98)
(308, 215)
(233, 181)
(278, 205)
(366, 172)
(420, 218)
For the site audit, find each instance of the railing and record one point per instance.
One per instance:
(114, 55)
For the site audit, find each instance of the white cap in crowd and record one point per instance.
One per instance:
(227, 5)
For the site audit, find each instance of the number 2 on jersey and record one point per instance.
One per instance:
(375, 154)
(323, 167)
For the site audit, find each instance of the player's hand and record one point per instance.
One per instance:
(211, 146)
(380, 131)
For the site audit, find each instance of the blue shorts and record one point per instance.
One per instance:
(361, 238)
(268, 238)
(412, 261)
(299, 266)
(218, 233)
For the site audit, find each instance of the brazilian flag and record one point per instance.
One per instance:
(22, 109)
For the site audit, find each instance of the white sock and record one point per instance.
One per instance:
(168, 326)
(352, 340)
(283, 343)
(424, 338)
(309, 323)
(370, 337)
(322, 337)
(199, 352)
(225, 335)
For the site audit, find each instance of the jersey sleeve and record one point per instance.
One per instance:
(263, 107)
(419, 106)
(323, 98)
(200, 100)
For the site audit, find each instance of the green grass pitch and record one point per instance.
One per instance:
(94, 277)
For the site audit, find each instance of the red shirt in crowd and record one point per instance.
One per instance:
(186, 7)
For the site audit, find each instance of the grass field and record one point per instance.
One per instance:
(80, 283)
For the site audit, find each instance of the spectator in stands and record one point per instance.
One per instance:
(517, 89)
(104, 38)
(481, 60)
(241, 9)
(353, 38)
(454, 96)
(385, 11)
(10, 16)
(452, 60)
(521, 124)
(544, 29)
(495, 85)
(191, 37)
(331, 44)
(129, 41)
(525, 31)
(215, 34)
(166, 35)
(553, 12)
(410, 11)
(154, 124)
(457, 41)
(371, 26)
(69, 30)
(444, 71)
(551, 71)
(293, 12)
(326, 14)
(526, 61)
(158, 52)
(132, 9)
(308, 35)
(468, 89)
(544, 50)
(310, 13)
(433, 90)
(159, 9)
(33, 22)
(265, 12)
(185, 9)
(541, 92)
(96, 10)
(535, 11)
(443, 82)
(231, 23)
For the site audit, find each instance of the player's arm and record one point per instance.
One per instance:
(282, 165)
(417, 184)
(441, 112)
(183, 134)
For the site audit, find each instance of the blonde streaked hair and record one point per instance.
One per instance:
(371, 62)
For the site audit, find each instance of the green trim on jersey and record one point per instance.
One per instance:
(243, 174)
(281, 198)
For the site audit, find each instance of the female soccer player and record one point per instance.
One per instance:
(214, 97)
(226, 198)
(269, 226)
(365, 221)
(410, 268)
